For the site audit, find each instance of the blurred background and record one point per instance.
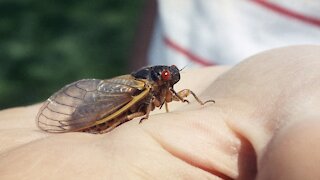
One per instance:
(47, 44)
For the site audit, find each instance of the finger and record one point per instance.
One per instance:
(202, 139)
(269, 91)
(293, 153)
(125, 153)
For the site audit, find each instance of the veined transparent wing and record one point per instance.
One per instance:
(80, 104)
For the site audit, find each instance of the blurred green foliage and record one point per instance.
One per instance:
(45, 44)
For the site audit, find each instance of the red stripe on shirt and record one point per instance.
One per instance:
(168, 42)
(288, 13)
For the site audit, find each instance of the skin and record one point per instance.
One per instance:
(264, 125)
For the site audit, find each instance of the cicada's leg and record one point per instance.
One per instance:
(134, 115)
(146, 116)
(122, 120)
(167, 107)
(179, 96)
(110, 127)
(165, 103)
(150, 106)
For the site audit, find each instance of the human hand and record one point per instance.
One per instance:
(264, 122)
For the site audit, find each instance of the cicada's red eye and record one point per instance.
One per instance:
(165, 75)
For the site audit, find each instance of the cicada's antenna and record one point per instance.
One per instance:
(184, 67)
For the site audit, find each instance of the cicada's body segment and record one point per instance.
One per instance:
(98, 106)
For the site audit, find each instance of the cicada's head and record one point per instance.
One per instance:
(168, 75)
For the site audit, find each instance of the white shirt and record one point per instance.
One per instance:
(209, 32)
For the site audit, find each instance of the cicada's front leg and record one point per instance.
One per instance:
(179, 96)
(172, 95)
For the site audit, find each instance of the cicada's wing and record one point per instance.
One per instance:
(80, 104)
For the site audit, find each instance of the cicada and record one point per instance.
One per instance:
(98, 106)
